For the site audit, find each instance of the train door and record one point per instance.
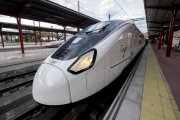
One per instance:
(107, 64)
(116, 54)
(133, 43)
(127, 48)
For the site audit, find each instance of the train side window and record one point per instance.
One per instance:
(129, 39)
(125, 36)
(121, 37)
(129, 35)
(123, 41)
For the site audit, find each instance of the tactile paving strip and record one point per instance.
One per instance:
(158, 102)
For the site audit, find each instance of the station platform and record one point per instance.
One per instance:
(171, 67)
(15, 57)
(16, 47)
(148, 96)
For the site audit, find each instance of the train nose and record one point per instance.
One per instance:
(50, 86)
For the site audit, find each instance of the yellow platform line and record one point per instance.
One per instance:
(158, 102)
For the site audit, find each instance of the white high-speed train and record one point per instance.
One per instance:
(87, 62)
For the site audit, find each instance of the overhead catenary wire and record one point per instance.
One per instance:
(82, 8)
(121, 8)
(133, 12)
(130, 8)
(133, 18)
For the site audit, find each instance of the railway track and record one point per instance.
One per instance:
(15, 93)
(16, 100)
(14, 83)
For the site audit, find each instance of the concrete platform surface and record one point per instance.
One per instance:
(171, 69)
(148, 96)
(131, 105)
(158, 102)
(16, 46)
(15, 57)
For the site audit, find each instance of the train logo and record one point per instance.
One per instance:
(52, 61)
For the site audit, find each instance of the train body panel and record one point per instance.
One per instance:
(49, 85)
(68, 76)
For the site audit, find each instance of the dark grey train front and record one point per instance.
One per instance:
(87, 63)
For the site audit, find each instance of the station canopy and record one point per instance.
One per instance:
(45, 11)
(15, 33)
(159, 12)
(35, 28)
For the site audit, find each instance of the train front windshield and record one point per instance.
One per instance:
(84, 40)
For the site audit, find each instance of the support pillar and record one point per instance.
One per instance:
(40, 38)
(161, 35)
(52, 33)
(11, 38)
(31, 38)
(35, 38)
(57, 36)
(170, 36)
(48, 38)
(2, 41)
(78, 28)
(26, 38)
(20, 34)
(64, 33)
(40, 34)
(23, 9)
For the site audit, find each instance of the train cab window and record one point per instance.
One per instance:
(99, 27)
(84, 40)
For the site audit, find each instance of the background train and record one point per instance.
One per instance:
(87, 62)
(57, 43)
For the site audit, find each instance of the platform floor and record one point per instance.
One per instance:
(149, 96)
(158, 102)
(14, 57)
(171, 69)
(16, 45)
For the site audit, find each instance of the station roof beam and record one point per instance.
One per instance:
(45, 11)
(41, 10)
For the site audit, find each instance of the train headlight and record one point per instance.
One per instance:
(84, 62)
